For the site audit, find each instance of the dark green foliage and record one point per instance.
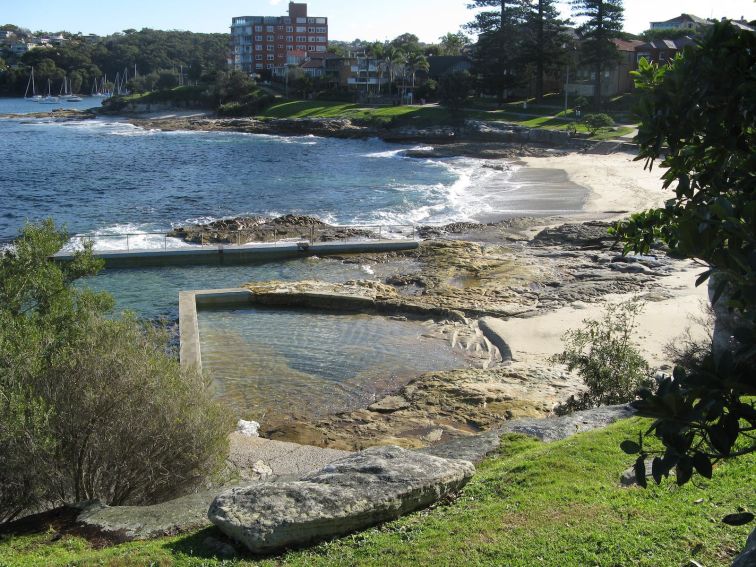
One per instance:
(498, 58)
(152, 51)
(699, 116)
(91, 405)
(544, 41)
(605, 357)
(596, 122)
(604, 20)
(454, 90)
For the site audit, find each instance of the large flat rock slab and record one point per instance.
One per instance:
(251, 459)
(353, 493)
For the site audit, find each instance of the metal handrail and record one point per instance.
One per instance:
(306, 233)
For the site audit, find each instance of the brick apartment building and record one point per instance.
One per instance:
(263, 42)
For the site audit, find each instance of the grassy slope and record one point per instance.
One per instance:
(421, 116)
(532, 504)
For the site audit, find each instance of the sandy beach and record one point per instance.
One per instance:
(618, 185)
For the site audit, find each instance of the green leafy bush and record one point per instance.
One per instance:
(91, 405)
(597, 122)
(605, 357)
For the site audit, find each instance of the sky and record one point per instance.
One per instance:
(348, 19)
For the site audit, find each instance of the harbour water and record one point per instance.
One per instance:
(270, 364)
(106, 176)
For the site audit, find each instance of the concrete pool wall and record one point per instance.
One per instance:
(229, 255)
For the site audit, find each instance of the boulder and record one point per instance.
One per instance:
(353, 493)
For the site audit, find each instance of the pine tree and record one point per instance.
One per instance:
(498, 54)
(545, 39)
(604, 23)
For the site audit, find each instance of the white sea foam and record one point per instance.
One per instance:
(129, 236)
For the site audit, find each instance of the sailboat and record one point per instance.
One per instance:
(49, 99)
(68, 96)
(34, 97)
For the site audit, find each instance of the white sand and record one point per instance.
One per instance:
(539, 337)
(618, 184)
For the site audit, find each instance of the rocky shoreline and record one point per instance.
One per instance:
(467, 279)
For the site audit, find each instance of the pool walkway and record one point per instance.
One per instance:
(232, 255)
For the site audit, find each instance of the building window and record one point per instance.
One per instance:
(301, 29)
(310, 30)
(270, 28)
(258, 28)
(271, 57)
(301, 47)
(258, 65)
(271, 38)
(289, 29)
(321, 30)
(321, 48)
(258, 57)
(271, 47)
(301, 20)
(310, 48)
(258, 47)
(289, 48)
(289, 38)
(258, 38)
(269, 66)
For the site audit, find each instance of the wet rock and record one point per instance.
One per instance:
(350, 494)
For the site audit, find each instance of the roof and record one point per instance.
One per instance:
(743, 25)
(441, 64)
(682, 18)
(671, 44)
(627, 44)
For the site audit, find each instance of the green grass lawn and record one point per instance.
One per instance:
(554, 504)
(421, 115)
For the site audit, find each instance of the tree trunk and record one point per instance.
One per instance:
(540, 63)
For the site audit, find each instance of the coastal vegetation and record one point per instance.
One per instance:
(698, 119)
(531, 503)
(183, 57)
(603, 353)
(93, 405)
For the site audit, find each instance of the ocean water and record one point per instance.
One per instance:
(107, 176)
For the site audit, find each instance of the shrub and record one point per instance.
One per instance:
(91, 405)
(596, 122)
(605, 357)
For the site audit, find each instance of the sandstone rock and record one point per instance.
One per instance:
(389, 404)
(248, 428)
(351, 494)
(556, 428)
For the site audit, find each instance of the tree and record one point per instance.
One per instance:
(407, 43)
(417, 62)
(454, 90)
(167, 80)
(698, 115)
(546, 36)
(603, 24)
(453, 43)
(498, 56)
(92, 405)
